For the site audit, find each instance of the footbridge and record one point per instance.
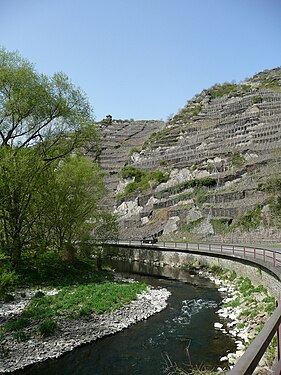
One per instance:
(268, 259)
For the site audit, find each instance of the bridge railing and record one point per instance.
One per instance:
(268, 257)
(271, 259)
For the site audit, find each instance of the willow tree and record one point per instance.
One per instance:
(42, 121)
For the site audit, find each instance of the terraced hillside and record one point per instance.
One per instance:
(120, 138)
(220, 158)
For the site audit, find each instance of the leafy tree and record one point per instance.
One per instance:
(20, 184)
(106, 229)
(70, 201)
(36, 109)
(42, 121)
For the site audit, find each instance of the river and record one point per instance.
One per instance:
(183, 332)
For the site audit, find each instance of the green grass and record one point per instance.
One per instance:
(72, 302)
(257, 99)
(20, 336)
(47, 327)
(83, 300)
(250, 220)
(217, 270)
(234, 303)
(82, 290)
(220, 225)
(16, 324)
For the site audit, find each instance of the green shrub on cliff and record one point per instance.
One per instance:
(132, 172)
(143, 180)
(250, 220)
(187, 112)
(217, 91)
(237, 160)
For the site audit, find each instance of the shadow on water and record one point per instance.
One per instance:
(187, 322)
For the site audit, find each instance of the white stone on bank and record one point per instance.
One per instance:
(73, 333)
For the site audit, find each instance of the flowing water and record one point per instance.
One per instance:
(183, 332)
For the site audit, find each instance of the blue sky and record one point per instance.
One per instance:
(144, 59)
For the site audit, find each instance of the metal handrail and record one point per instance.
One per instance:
(250, 359)
(268, 257)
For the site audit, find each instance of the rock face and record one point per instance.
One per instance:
(226, 142)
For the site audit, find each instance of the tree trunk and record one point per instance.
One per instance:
(69, 255)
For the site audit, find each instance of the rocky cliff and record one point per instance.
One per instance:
(212, 171)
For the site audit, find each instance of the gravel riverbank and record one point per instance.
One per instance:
(240, 316)
(72, 333)
(243, 316)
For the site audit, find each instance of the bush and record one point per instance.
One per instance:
(269, 299)
(132, 172)
(159, 177)
(20, 335)
(16, 325)
(39, 294)
(220, 226)
(47, 328)
(245, 287)
(250, 220)
(134, 150)
(234, 303)
(237, 160)
(205, 182)
(232, 276)
(192, 225)
(7, 280)
(186, 112)
(142, 179)
(272, 185)
(257, 99)
(218, 91)
(8, 298)
(199, 196)
(217, 270)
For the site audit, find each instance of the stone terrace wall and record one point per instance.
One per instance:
(239, 125)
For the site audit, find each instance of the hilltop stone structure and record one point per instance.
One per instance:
(221, 158)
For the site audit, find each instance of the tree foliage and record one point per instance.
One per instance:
(70, 201)
(36, 109)
(49, 192)
(20, 183)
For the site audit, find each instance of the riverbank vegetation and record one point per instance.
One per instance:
(51, 289)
